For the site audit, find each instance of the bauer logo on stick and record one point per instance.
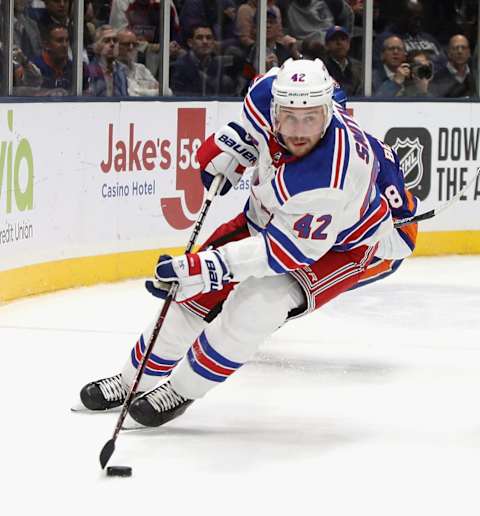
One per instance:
(414, 148)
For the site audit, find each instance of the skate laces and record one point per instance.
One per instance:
(164, 398)
(112, 388)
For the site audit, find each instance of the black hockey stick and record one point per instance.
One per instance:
(109, 446)
(435, 211)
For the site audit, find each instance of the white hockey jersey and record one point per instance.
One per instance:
(300, 208)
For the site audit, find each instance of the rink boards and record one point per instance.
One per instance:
(91, 192)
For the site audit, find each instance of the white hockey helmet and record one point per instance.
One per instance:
(303, 83)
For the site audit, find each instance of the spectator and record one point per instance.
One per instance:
(53, 62)
(107, 76)
(55, 13)
(141, 82)
(410, 28)
(276, 53)
(26, 34)
(314, 17)
(89, 27)
(312, 48)
(356, 36)
(421, 73)
(389, 78)
(143, 17)
(455, 79)
(344, 69)
(27, 78)
(197, 12)
(246, 22)
(200, 72)
(225, 27)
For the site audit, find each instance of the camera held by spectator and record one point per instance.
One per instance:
(421, 75)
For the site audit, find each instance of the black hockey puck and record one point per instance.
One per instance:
(119, 471)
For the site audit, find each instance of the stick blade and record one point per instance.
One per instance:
(107, 452)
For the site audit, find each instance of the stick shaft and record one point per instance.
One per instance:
(435, 211)
(164, 310)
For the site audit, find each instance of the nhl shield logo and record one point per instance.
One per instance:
(410, 154)
(414, 147)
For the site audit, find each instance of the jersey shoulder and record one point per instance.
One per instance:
(257, 102)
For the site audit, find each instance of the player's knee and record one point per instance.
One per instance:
(260, 304)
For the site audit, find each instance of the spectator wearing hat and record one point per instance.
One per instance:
(344, 69)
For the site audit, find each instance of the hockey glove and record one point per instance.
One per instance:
(196, 274)
(228, 152)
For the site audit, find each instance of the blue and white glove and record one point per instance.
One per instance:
(228, 152)
(195, 273)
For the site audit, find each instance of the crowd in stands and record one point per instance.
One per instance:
(422, 48)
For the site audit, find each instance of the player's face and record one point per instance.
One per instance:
(301, 128)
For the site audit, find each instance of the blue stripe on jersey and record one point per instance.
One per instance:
(343, 235)
(316, 168)
(261, 96)
(286, 243)
(257, 128)
(275, 191)
(250, 222)
(273, 263)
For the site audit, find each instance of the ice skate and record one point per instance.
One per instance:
(158, 406)
(104, 394)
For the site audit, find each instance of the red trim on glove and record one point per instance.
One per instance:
(207, 151)
(194, 264)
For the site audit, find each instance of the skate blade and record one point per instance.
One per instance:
(130, 424)
(80, 408)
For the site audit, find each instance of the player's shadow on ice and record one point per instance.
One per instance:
(247, 443)
(338, 369)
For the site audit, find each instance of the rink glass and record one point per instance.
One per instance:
(365, 20)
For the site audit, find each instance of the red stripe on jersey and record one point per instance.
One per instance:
(370, 222)
(252, 110)
(203, 360)
(281, 185)
(282, 256)
(339, 160)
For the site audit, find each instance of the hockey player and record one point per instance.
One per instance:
(312, 224)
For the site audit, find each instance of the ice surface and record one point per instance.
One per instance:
(369, 407)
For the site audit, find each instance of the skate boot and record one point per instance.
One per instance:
(104, 394)
(158, 406)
